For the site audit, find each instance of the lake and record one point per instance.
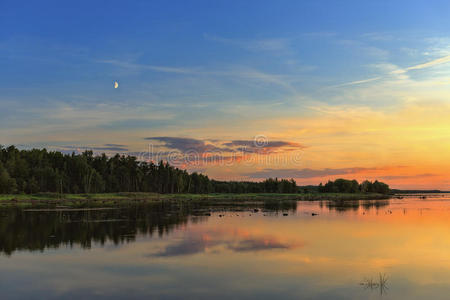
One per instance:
(398, 248)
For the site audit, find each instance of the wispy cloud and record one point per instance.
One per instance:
(115, 145)
(432, 63)
(358, 82)
(379, 36)
(395, 70)
(396, 177)
(250, 146)
(105, 147)
(233, 72)
(268, 44)
(306, 173)
(130, 65)
(390, 70)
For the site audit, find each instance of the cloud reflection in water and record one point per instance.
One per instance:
(220, 240)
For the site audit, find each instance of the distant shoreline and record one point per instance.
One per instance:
(120, 199)
(396, 191)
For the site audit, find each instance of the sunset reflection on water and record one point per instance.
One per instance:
(318, 250)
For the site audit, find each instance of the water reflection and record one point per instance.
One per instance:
(217, 241)
(378, 284)
(309, 250)
(40, 229)
(343, 206)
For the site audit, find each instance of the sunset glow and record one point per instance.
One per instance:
(354, 99)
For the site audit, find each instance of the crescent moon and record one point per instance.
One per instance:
(116, 84)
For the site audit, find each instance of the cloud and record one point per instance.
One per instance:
(188, 144)
(115, 145)
(358, 82)
(438, 61)
(106, 147)
(429, 64)
(263, 77)
(270, 144)
(240, 72)
(306, 173)
(188, 153)
(164, 69)
(379, 36)
(396, 71)
(185, 145)
(136, 123)
(269, 44)
(395, 177)
(252, 146)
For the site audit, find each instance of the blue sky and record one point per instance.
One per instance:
(223, 71)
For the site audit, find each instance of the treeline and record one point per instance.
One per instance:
(36, 170)
(352, 186)
(270, 185)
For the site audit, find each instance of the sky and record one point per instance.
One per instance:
(238, 90)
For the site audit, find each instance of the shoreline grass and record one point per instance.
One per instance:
(119, 199)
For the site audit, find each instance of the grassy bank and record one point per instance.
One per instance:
(117, 199)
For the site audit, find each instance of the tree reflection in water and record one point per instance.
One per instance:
(346, 205)
(37, 230)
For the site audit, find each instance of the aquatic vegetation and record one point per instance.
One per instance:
(379, 283)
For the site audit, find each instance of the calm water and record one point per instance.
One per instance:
(171, 252)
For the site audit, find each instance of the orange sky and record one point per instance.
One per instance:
(331, 99)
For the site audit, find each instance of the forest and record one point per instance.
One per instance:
(352, 186)
(38, 170)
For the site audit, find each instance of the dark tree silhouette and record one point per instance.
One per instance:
(38, 170)
(352, 186)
